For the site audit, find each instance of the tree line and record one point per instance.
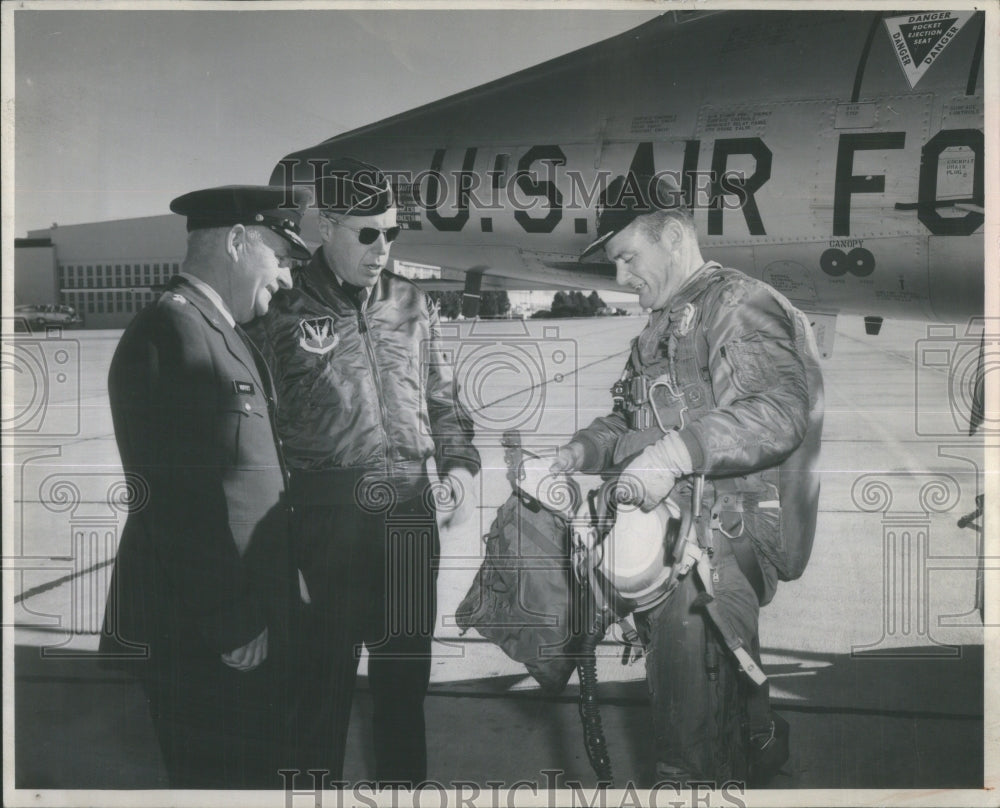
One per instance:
(497, 304)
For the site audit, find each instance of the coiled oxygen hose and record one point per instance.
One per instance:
(590, 711)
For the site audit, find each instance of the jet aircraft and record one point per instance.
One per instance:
(836, 155)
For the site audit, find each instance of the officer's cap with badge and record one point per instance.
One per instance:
(349, 187)
(262, 205)
(629, 196)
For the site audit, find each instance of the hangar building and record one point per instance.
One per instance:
(107, 271)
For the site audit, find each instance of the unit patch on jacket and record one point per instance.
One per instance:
(753, 369)
(317, 335)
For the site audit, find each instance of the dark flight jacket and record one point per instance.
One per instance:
(367, 389)
(741, 383)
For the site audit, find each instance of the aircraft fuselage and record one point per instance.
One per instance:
(838, 156)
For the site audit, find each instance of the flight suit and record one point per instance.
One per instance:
(728, 366)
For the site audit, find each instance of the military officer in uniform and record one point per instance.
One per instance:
(198, 606)
(368, 411)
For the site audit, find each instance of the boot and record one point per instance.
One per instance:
(768, 752)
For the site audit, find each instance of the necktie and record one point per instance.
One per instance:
(262, 369)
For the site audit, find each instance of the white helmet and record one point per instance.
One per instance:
(635, 554)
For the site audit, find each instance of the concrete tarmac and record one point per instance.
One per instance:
(875, 655)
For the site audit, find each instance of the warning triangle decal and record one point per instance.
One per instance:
(918, 39)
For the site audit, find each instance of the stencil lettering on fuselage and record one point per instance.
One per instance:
(919, 39)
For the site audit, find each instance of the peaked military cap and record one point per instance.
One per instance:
(629, 196)
(353, 188)
(263, 205)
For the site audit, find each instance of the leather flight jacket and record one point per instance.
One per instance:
(364, 387)
(733, 367)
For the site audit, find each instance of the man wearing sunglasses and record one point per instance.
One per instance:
(367, 411)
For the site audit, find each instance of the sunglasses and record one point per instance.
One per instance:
(369, 235)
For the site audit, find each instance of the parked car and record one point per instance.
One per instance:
(42, 314)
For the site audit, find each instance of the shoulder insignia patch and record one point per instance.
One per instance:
(317, 335)
(176, 298)
(734, 294)
(680, 325)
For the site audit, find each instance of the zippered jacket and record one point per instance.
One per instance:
(364, 387)
(733, 367)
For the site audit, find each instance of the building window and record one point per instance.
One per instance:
(90, 301)
(90, 277)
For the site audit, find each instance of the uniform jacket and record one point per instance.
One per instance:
(203, 564)
(367, 388)
(741, 384)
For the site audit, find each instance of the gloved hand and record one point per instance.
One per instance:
(657, 468)
(568, 458)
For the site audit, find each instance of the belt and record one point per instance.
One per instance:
(345, 485)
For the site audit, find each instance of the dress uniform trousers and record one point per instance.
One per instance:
(221, 728)
(371, 571)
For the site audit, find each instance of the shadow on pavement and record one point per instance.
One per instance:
(859, 721)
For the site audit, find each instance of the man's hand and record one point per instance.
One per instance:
(657, 468)
(462, 504)
(250, 655)
(569, 458)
